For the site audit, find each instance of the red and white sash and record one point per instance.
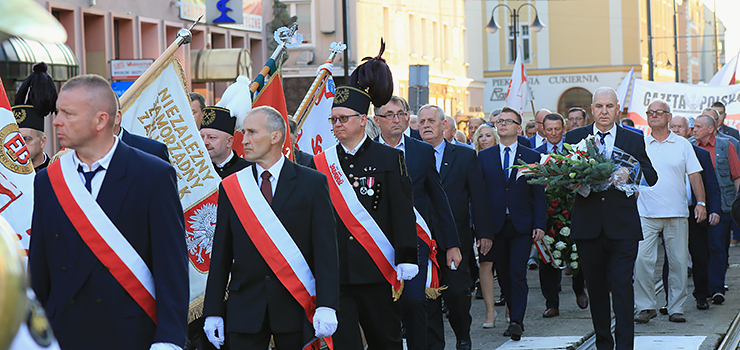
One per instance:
(101, 235)
(272, 240)
(422, 230)
(356, 218)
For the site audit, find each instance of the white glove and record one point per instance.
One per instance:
(164, 346)
(324, 321)
(406, 271)
(328, 66)
(210, 326)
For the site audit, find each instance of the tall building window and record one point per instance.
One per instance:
(523, 35)
(302, 10)
(412, 35)
(525, 43)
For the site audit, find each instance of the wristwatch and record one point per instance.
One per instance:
(702, 204)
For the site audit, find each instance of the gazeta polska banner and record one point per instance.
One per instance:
(687, 100)
(160, 110)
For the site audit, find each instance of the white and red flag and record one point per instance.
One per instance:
(16, 175)
(624, 88)
(160, 110)
(315, 136)
(726, 75)
(519, 94)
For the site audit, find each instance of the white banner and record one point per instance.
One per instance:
(686, 100)
(316, 135)
(160, 110)
(16, 175)
(519, 94)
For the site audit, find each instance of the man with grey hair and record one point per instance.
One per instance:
(606, 227)
(405, 115)
(493, 116)
(258, 220)
(664, 212)
(473, 125)
(463, 182)
(727, 164)
(539, 138)
(134, 200)
(449, 132)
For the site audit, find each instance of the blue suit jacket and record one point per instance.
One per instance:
(711, 186)
(86, 306)
(429, 195)
(527, 204)
(145, 144)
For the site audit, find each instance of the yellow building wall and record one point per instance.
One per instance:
(578, 34)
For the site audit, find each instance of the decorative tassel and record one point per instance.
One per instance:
(434, 293)
(397, 293)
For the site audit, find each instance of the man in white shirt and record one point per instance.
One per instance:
(663, 209)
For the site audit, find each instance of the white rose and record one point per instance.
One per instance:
(574, 265)
(574, 256)
(575, 248)
(557, 254)
(558, 262)
(549, 240)
(565, 231)
(560, 245)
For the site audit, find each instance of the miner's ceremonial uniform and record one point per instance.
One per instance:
(27, 118)
(220, 118)
(232, 164)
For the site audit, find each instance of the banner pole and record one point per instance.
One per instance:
(318, 83)
(183, 37)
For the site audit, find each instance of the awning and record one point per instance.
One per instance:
(220, 64)
(17, 57)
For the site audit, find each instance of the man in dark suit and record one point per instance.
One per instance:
(698, 232)
(550, 277)
(539, 138)
(518, 213)
(725, 129)
(217, 131)
(463, 183)
(431, 202)
(300, 157)
(520, 139)
(260, 304)
(606, 227)
(153, 147)
(126, 196)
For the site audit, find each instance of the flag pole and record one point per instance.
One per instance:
(285, 37)
(183, 37)
(318, 84)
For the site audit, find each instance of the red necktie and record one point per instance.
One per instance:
(266, 186)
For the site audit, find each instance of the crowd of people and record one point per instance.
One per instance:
(376, 238)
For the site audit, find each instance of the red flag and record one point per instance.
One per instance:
(272, 95)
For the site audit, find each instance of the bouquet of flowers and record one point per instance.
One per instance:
(562, 248)
(584, 169)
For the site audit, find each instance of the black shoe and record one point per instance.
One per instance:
(515, 331)
(500, 302)
(463, 345)
(702, 304)
(718, 298)
(663, 310)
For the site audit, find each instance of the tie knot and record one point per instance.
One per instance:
(88, 173)
(602, 134)
(265, 175)
(507, 149)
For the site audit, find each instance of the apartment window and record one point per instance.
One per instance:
(525, 43)
(386, 23)
(304, 15)
(523, 35)
(435, 38)
(412, 35)
(448, 46)
(424, 38)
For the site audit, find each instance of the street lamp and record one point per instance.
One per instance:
(536, 25)
(657, 58)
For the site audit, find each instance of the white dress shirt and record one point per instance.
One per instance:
(357, 147)
(608, 140)
(539, 140)
(274, 173)
(103, 162)
(401, 145)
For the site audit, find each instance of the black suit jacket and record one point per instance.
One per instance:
(730, 131)
(466, 190)
(430, 198)
(302, 204)
(303, 158)
(414, 133)
(146, 144)
(86, 306)
(391, 206)
(611, 211)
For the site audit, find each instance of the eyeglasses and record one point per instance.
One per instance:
(507, 122)
(658, 112)
(343, 119)
(390, 115)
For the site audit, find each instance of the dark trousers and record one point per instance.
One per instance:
(414, 304)
(457, 299)
(512, 252)
(608, 264)
(370, 306)
(261, 339)
(197, 339)
(718, 242)
(550, 278)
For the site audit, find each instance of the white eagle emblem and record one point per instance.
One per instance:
(203, 226)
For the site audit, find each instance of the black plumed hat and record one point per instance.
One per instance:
(218, 118)
(371, 81)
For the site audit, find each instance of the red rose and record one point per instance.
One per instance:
(566, 213)
(559, 224)
(551, 233)
(550, 212)
(554, 203)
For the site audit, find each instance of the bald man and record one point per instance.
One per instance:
(539, 138)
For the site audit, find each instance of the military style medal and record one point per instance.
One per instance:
(370, 183)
